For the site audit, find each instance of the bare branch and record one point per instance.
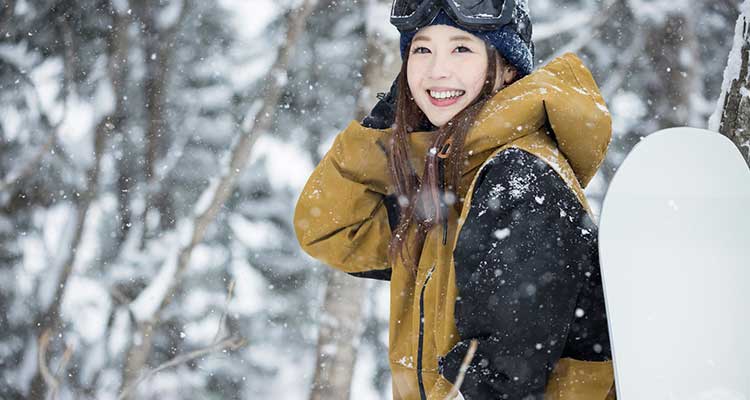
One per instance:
(572, 21)
(67, 355)
(230, 343)
(591, 31)
(41, 357)
(51, 380)
(230, 289)
(464, 367)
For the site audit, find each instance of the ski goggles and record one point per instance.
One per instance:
(408, 15)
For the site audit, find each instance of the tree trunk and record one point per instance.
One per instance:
(118, 69)
(157, 58)
(338, 338)
(732, 115)
(673, 61)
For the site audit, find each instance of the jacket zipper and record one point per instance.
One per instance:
(422, 393)
(442, 155)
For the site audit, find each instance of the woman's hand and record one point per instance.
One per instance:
(383, 114)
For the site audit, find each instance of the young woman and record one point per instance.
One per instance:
(472, 205)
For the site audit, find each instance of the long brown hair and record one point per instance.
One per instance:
(419, 197)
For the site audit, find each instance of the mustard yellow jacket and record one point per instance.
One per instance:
(557, 114)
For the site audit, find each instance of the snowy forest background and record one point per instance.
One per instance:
(151, 153)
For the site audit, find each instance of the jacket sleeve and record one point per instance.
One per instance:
(529, 288)
(341, 217)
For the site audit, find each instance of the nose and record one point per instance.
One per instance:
(439, 67)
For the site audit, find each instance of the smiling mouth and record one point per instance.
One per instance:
(446, 94)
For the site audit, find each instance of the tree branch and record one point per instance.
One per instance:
(230, 289)
(591, 31)
(52, 380)
(230, 343)
(462, 370)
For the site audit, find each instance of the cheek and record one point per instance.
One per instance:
(475, 74)
(412, 77)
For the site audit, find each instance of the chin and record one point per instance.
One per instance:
(441, 117)
(441, 120)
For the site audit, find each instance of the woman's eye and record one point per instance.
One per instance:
(463, 49)
(420, 50)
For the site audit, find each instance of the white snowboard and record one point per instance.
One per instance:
(674, 247)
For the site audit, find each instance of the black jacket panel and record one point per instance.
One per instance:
(529, 287)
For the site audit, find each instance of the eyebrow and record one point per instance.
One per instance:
(453, 38)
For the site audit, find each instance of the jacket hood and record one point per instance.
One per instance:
(561, 96)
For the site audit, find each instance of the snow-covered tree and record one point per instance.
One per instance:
(732, 114)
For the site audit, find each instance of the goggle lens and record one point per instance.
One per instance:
(404, 8)
(481, 14)
(478, 9)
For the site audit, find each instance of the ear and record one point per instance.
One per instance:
(508, 74)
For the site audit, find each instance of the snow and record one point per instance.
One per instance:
(46, 81)
(87, 305)
(10, 123)
(76, 128)
(207, 196)
(251, 18)
(286, 165)
(147, 303)
(377, 12)
(255, 234)
(120, 6)
(656, 11)
(565, 23)
(118, 339)
(502, 233)
(627, 110)
(407, 362)
(364, 371)
(170, 14)
(201, 332)
(250, 286)
(519, 185)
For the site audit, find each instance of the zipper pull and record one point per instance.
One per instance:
(445, 150)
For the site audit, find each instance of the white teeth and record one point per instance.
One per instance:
(447, 94)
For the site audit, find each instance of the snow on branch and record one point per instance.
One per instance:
(214, 198)
(567, 22)
(150, 302)
(732, 114)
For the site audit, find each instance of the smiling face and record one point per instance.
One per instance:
(446, 71)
